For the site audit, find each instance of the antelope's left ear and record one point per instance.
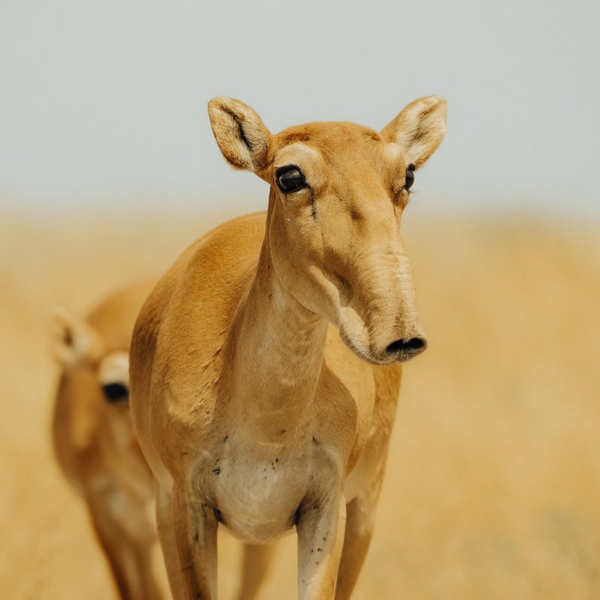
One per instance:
(240, 133)
(419, 129)
(74, 341)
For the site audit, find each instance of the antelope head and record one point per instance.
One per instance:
(337, 195)
(77, 345)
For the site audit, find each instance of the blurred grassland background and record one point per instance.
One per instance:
(108, 170)
(492, 486)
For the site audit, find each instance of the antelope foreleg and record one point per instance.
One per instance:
(357, 538)
(166, 533)
(130, 558)
(320, 541)
(195, 526)
(360, 523)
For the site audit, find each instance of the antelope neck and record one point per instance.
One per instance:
(279, 352)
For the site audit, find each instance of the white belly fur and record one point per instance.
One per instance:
(257, 488)
(258, 500)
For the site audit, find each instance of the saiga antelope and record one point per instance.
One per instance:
(265, 366)
(94, 439)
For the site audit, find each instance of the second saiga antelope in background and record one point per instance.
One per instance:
(94, 440)
(265, 366)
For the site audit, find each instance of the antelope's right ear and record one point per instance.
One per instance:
(419, 129)
(74, 342)
(240, 133)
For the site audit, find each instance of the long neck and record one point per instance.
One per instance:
(278, 356)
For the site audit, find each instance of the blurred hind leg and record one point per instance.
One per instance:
(255, 565)
(360, 522)
(359, 530)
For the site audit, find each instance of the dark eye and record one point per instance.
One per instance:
(290, 179)
(115, 392)
(409, 178)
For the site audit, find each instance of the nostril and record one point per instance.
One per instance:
(411, 345)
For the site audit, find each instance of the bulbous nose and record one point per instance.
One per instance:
(405, 349)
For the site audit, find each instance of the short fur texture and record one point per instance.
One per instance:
(266, 364)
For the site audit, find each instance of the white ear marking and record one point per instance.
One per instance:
(240, 133)
(419, 129)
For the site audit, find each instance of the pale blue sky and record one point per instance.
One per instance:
(103, 102)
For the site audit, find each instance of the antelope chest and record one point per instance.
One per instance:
(257, 491)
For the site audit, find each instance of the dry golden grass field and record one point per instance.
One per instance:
(493, 483)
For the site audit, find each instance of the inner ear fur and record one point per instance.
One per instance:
(74, 341)
(419, 129)
(240, 133)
